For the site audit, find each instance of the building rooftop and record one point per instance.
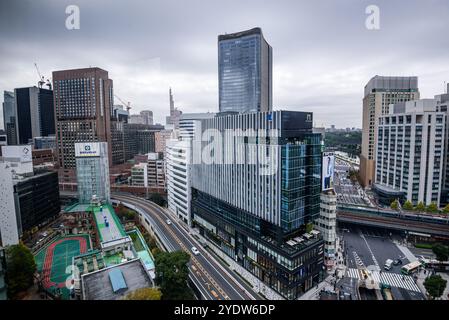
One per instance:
(108, 225)
(115, 282)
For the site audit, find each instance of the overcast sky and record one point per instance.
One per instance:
(323, 54)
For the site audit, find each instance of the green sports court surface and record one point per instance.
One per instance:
(52, 261)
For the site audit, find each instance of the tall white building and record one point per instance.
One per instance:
(9, 230)
(178, 157)
(178, 178)
(410, 152)
(92, 171)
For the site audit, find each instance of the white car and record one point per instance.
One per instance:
(168, 221)
(195, 251)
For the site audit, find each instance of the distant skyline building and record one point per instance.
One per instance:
(255, 210)
(83, 110)
(245, 72)
(175, 113)
(380, 92)
(147, 116)
(9, 117)
(92, 170)
(35, 116)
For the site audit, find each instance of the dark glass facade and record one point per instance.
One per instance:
(37, 200)
(34, 113)
(9, 117)
(260, 220)
(245, 72)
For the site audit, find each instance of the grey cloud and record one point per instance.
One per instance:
(323, 54)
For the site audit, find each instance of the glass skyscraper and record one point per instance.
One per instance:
(259, 217)
(244, 72)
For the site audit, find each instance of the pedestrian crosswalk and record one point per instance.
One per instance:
(357, 259)
(391, 279)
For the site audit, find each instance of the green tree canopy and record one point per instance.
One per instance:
(432, 207)
(420, 207)
(435, 286)
(144, 294)
(446, 209)
(394, 205)
(20, 269)
(441, 251)
(172, 274)
(309, 227)
(407, 205)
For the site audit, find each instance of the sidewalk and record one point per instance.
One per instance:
(406, 251)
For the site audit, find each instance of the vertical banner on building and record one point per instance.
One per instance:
(328, 164)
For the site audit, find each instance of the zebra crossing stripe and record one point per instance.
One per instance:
(392, 279)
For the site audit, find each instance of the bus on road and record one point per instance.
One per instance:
(411, 267)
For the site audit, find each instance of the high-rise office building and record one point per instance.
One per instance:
(409, 164)
(254, 199)
(9, 117)
(245, 72)
(178, 160)
(147, 116)
(442, 101)
(380, 92)
(34, 113)
(83, 110)
(92, 171)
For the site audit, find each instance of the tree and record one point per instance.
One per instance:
(435, 286)
(420, 207)
(446, 209)
(394, 205)
(309, 227)
(407, 205)
(157, 199)
(432, 207)
(144, 294)
(172, 274)
(20, 269)
(441, 251)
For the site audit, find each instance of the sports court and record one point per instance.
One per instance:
(52, 261)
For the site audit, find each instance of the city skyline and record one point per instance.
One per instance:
(145, 61)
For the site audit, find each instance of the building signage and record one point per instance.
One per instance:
(328, 164)
(87, 149)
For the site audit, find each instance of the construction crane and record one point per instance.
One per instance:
(41, 81)
(127, 104)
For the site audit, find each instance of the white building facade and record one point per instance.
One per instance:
(327, 223)
(410, 151)
(9, 230)
(92, 171)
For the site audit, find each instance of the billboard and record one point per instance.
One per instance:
(327, 173)
(87, 149)
(24, 153)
